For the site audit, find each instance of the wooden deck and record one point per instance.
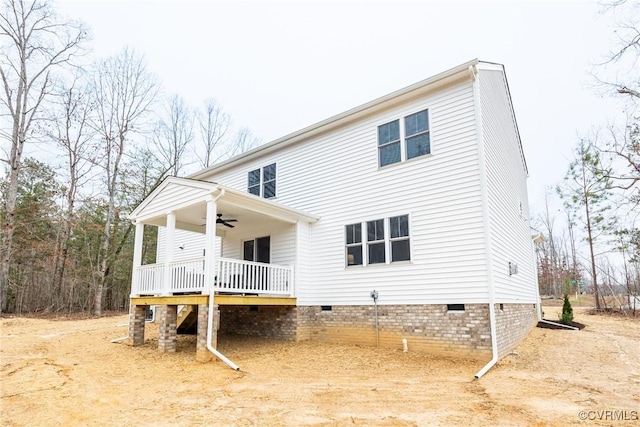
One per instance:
(219, 300)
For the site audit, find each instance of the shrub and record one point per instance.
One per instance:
(567, 311)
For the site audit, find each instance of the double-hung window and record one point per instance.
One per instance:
(405, 139)
(354, 244)
(375, 241)
(384, 241)
(389, 143)
(416, 134)
(262, 182)
(399, 237)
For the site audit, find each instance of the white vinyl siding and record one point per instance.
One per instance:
(507, 194)
(174, 197)
(336, 176)
(188, 245)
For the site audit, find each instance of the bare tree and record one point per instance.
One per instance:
(214, 125)
(245, 141)
(124, 91)
(71, 131)
(34, 43)
(172, 135)
(625, 52)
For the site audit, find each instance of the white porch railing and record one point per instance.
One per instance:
(231, 276)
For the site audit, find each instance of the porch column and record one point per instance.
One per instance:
(202, 352)
(301, 266)
(171, 229)
(210, 244)
(137, 258)
(168, 332)
(137, 314)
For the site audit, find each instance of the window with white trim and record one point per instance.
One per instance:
(405, 139)
(375, 242)
(262, 182)
(399, 237)
(354, 244)
(386, 241)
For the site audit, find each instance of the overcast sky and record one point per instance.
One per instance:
(277, 67)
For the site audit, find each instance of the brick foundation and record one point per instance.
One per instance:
(513, 323)
(167, 336)
(202, 353)
(137, 315)
(429, 328)
(278, 322)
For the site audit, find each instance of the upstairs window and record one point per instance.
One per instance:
(389, 143)
(269, 181)
(254, 182)
(262, 182)
(405, 139)
(416, 130)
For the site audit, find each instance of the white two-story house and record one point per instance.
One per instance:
(405, 218)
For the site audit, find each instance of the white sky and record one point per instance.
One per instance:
(277, 67)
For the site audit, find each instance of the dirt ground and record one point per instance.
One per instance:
(67, 372)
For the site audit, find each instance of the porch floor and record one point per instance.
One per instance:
(221, 299)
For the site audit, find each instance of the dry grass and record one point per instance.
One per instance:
(68, 373)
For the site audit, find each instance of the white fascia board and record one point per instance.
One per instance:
(204, 185)
(231, 196)
(427, 85)
(499, 67)
(265, 206)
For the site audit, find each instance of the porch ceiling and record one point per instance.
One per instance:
(251, 212)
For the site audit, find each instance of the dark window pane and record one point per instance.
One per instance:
(254, 178)
(354, 255)
(418, 146)
(389, 154)
(248, 250)
(263, 251)
(399, 226)
(375, 230)
(255, 190)
(354, 233)
(269, 172)
(389, 132)
(400, 250)
(269, 189)
(416, 123)
(376, 253)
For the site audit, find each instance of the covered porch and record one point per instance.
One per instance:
(247, 245)
(249, 251)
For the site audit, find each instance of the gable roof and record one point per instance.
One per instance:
(183, 195)
(460, 72)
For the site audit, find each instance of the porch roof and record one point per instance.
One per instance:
(187, 199)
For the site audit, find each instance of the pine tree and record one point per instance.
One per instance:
(567, 311)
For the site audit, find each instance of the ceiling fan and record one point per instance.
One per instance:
(225, 221)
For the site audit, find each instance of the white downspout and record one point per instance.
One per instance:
(211, 226)
(487, 226)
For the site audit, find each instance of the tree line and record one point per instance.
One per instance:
(590, 220)
(87, 141)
